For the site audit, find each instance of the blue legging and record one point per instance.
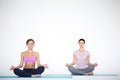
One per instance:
(28, 72)
(75, 71)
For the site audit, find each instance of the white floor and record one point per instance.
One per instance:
(73, 78)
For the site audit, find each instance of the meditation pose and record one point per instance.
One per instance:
(81, 58)
(28, 60)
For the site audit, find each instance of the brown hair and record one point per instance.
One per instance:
(29, 41)
(81, 40)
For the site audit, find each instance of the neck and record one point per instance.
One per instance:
(30, 50)
(81, 49)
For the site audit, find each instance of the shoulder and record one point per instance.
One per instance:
(75, 52)
(36, 53)
(87, 52)
(23, 53)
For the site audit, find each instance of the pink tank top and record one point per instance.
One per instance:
(81, 59)
(31, 59)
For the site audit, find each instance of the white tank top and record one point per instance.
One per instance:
(81, 59)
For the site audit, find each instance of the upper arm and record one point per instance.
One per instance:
(38, 59)
(21, 57)
(74, 59)
(88, 59)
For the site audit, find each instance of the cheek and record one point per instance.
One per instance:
(81, 44)
(30, 45)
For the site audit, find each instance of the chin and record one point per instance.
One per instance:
(30, 48)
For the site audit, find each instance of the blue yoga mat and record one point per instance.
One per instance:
(44, 76)
(105, 75)
(59, 76)
(98, 75)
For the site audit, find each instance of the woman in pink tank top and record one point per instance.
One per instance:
(81, 58)
(28, 60)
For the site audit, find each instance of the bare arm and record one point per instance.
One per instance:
(88, 61)
(21, 63)
(74, 61)
(38, 61)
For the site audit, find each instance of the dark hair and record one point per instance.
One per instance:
(81, 40)
(29, 41)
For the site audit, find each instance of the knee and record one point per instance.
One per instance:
(91, 67)
(70, 68)
(15, 71)
(42, 68)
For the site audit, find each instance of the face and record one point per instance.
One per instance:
(81, 44)
(30, 45)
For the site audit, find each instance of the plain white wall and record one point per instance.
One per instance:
(56, 26)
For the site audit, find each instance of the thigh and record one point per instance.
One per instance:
(38, 70)
(21, 73)
(90, 68)
(75, 71)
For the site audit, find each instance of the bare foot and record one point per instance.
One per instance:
(89, 73)
(95, 64)
(36, 75)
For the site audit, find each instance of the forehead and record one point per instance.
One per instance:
(81, 41)
(30, 42)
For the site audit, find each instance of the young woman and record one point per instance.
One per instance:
(28, 60)
(81, 58)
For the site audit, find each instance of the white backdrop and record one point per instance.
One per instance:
(56, 26)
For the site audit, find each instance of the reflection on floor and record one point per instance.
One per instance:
(97, 77)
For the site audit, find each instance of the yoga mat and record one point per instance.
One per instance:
(13, 77)
(105, 75)
(44, 76)
(57, 76)
(98, 75)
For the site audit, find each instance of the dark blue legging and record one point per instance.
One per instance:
(28, 72)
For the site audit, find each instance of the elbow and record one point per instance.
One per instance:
(88, 63)
(20, 66)
(39, 65)
(74, 63)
